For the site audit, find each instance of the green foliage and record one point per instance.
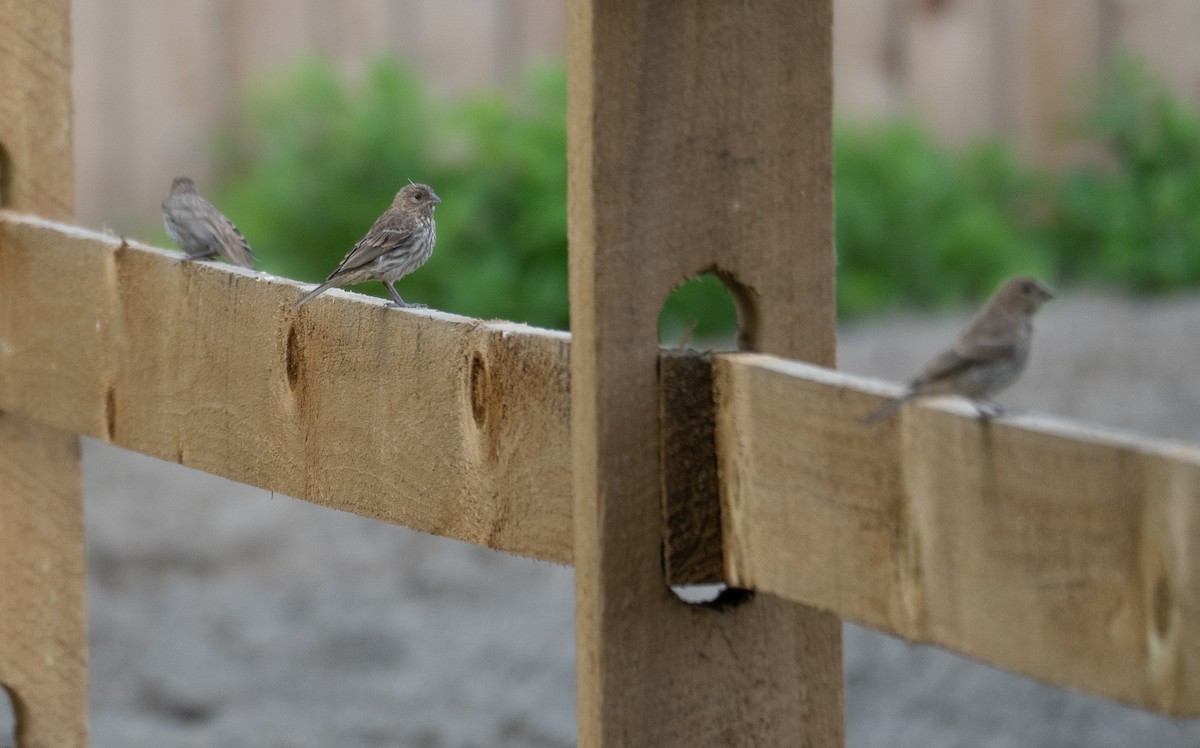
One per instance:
(504, 216)
(1135, 222)
(917, 223)
(702, 308)
(320, 160)
(921, 225)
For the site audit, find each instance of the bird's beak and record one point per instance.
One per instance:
(434, 198)
(1047, 292)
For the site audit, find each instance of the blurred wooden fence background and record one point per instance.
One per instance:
(1002, 67)
(151, 85)
(153, 80)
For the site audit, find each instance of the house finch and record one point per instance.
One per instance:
(988, 356)
(400, 242)
(199, 228)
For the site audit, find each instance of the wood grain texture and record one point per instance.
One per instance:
(698, 140)
(691, 497)
(444, 424)
(36, 166)
(1064, 553)
(43, 621)
(43, 630)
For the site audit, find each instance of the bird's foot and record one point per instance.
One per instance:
(988, 410)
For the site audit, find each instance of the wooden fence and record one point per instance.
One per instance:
(153, 81)
(699, 140)
(1007, 68)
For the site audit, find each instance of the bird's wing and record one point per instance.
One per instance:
(390, 231)
(982, 350)
(189, 221)
(946, 365)
(990, 337)
(198, 218)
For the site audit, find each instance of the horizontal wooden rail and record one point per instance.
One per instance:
(441, 423)
(1048, 549)
(1053, 550)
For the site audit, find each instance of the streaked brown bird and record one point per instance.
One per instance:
(400, 242)
(988, 356)
(201, 230)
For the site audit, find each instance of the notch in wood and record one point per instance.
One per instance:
(690, 491)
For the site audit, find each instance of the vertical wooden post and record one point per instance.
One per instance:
(43, 630)
(699, 139)
(43, 644)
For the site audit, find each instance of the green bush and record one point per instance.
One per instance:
(917, 224)
(1134, 222)
(504, 181)
(318, 161)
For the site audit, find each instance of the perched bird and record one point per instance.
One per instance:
(400, 242)
(200, 230)
(988, 356)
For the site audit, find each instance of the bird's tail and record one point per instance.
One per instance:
(243, 257)
(885, 410)
(313, 294)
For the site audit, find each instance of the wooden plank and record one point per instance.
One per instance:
(43, 628)
(1055, 46)
(869, 58)
(444, 424)
(1162, 34)
(950, 53)
(43, 621)
(1053, 550)
(36, 170)
(699, 139)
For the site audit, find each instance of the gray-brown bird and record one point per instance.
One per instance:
(200, 230)
(400, 242)
(988, 356)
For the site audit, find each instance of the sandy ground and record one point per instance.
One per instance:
(221, 615)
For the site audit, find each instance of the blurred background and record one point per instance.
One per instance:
(975, 139)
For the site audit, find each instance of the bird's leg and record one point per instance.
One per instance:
(988, 409)
(397, 301)
(198, 257)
